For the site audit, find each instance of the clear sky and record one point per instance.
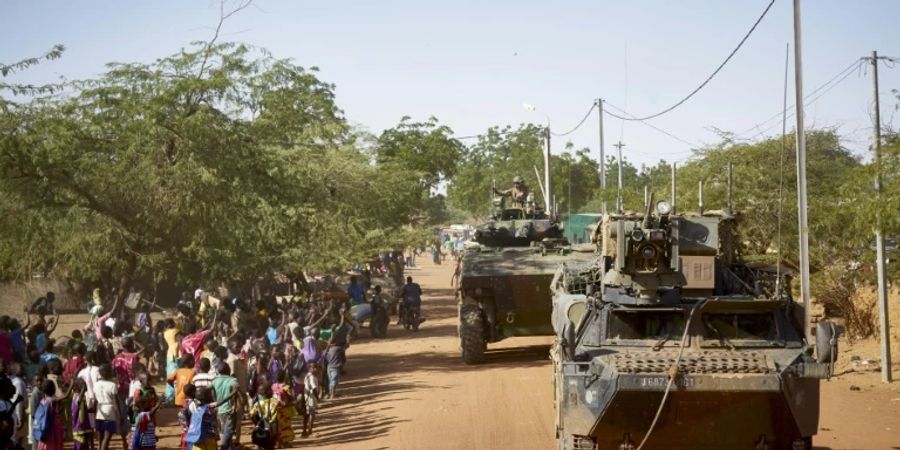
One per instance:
(472, 64)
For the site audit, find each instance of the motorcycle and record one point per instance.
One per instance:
(377, 316)
(411, 317)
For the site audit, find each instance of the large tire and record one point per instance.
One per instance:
(471, 334)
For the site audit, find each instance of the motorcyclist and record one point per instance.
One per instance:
(411, 297)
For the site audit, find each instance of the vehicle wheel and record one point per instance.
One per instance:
(471, 334)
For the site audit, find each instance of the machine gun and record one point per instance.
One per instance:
(644, 266)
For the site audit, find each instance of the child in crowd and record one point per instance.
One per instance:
(202, 376)
(16, 373)
(144, 430)
(48, 428)
(264, 415)
(181, 378)
(202, 433)
(82, 418)
(106, 392)
(189, 394)
(229, 397)
(77, 362)
(311, 397)
(281, 393)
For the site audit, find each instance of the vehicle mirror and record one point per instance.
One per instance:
(827, 334)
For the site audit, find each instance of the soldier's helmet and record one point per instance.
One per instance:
(518, 180)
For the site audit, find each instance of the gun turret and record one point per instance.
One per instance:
(646, 256)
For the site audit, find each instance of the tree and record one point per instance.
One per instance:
(217, 163)
(576, 180)
(426, 149)
(495, 159)
(757, 187)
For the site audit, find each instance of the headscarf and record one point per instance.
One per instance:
(310, 352)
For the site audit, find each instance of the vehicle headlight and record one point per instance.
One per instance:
(663, 207)
(637, 235)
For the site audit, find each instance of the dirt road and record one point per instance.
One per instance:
(411, 391)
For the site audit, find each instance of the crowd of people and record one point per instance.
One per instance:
(270, 360)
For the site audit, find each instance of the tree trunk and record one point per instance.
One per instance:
(126, 279)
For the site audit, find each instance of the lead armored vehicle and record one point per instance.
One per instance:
(504, 277)
(668, 340)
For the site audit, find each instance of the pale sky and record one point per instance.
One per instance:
(473, 64)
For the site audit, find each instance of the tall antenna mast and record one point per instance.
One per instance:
(787, 49)
(700, 197)
(547, 179)
(674, 202)
(602, 159)
(729, 205)
(801, 175)
(618, 147)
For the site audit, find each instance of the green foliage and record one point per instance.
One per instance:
(214, 163)
(426, 149)
(501, 154)
(28, 89)
(576, 179)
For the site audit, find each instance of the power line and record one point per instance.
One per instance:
(588, 114)
(853, 66)
(805, 103)
(715, 72)
(630, 117)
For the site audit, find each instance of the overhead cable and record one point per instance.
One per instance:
(628, 116)
(805, 103)
(588, 114)
(715, 72)
(843, 73)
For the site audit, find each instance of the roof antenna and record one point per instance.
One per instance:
(673, 187)
(729, 205)
(619, 205)
(700, 197)
(778, 286)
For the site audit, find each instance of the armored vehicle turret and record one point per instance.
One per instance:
(518, 226)
(504, 276)
(669, 340)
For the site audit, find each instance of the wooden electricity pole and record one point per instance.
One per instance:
(879, 237)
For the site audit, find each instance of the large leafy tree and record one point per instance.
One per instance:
(219, 162)
(427, 149)
(499, 155)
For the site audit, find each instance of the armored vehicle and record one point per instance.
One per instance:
(669, 340)
(504, 278)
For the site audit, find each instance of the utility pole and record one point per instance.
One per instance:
(618, 147)
(547, 178)
(879, 238)
(602, 160)
(803, 226)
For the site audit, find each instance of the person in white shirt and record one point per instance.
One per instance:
(90, 374)
(106, 393)
(16, 371)
(203, 378)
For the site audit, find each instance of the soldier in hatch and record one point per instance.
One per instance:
(518, 193)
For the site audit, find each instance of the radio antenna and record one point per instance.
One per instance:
(778, 285)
